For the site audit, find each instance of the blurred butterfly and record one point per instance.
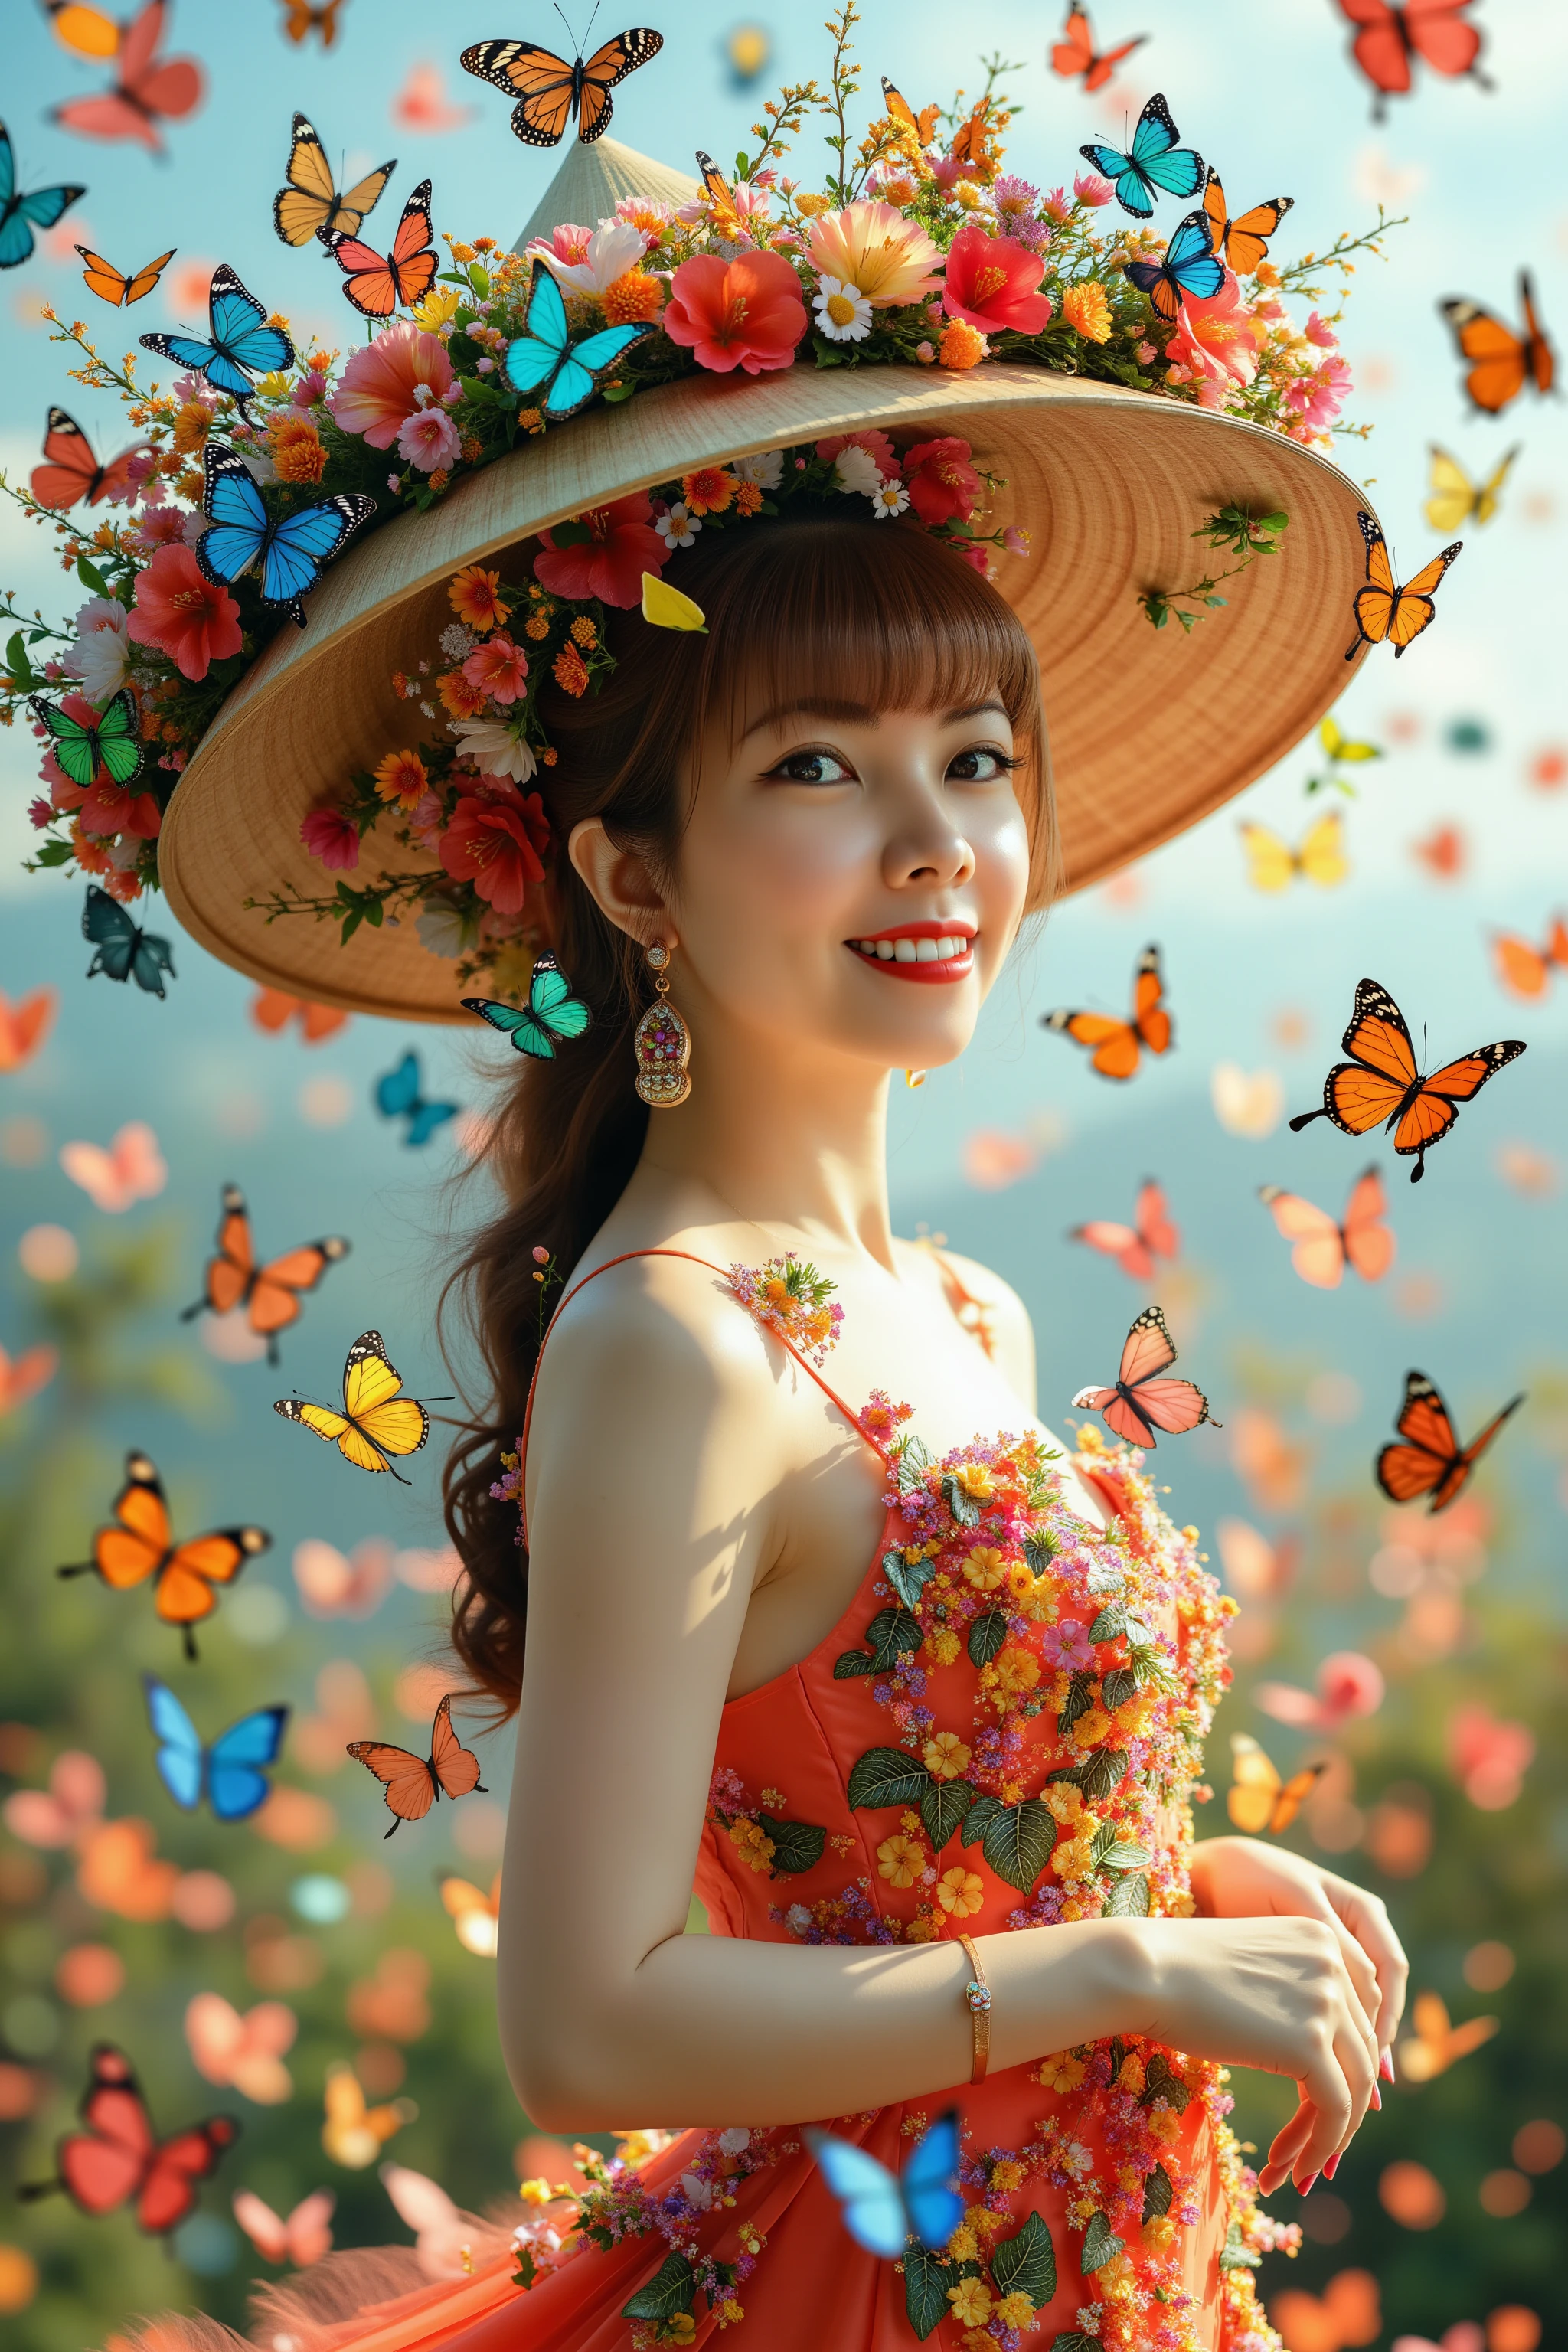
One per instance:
(1259, 1801)
(240, 344)
(1389, 37)
(21, 215)
(112, 749)
(1320, 858)
(21, 1377)
(1429, 1458)
(1456, 498)
(1075, 53)
(475, 1916)
(1246, 1102)
(544, 360)
(231, 1772)
(1135, 1248)
(1254, 1567)
(922, 126)
(301, 2239)
(147, 88)
(65, 1812)
(422, 103)
(1434, 2044)
(245, 2053)
(1242, 243)
(119, 1870)
(1525, 970)
(1116, 1048)
(87, 32)
(1144, 1400)
(1272, 1469)
(1381, 1081)
(1501, 362)
(443, 2233)
(70, 471)
(1343, 751)
(399, 1095)
(882, 2210)
(376, 1421)
(270, 1293)
(1322, 1249)
(272, 1009)
(551, 1016)
(310, 205)
(333, 1585)
(124, 951)
(1384, 612)
(132, 1168)
(1155, 167)
(140, 1543)
(550, 92)
(377, 284)
(746, 49)
(355, 2133)
(112, 285)
(1444, 852)
(119, 2157)
(1191, 265)
(302, 17)
(25, 1026)
(290, 551)
(414, 1783)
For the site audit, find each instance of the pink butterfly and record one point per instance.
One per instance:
(1348, 1685)
(23, 1376)
(132, 1169)
(1135, 1247)
(422, 103)
(301, 2239)
(1143, 1400)
(147, 88)
(443, 2235)
(246, 2051)
(333, 1586)
(67, 1810)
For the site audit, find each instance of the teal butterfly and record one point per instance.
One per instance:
(553, 1014)
(124, 951)
(543, 357)
(112, 748)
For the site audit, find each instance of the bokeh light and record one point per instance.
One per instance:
(1412, 2196)
(48, 1253)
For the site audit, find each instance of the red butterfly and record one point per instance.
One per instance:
(71, 472)
(1430, 1460)
(1389, 37)
(148, 86)
(413, 1784)
(1142, 1401)
(118, 2156)
(1322, 1249)
(1074, 52)
(378, 284)
(1136, 1246)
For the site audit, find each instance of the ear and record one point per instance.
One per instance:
(620, 883)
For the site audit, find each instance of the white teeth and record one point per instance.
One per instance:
(914, 950)
(868, 947)
(885, 951)
(904, 952)
(925, 951)
(946, 947)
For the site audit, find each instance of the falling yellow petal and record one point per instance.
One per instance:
(666, 608)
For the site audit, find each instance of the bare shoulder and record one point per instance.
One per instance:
(1006, 1317)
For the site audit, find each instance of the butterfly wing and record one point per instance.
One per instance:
(397, 1090)
(454, 1767)
(308, 205)
(1119, 1242)
(534, 355)
(70, 470)
(101, 2166)
(868, 2202)
(1149, 1017)
(1175, 171)
(391, 1423)
(179, 2166)
(1294, 1794)
(1270, 861)
(599, 74)
(1191, 261)
(298, 548)
(1454, 496)
(1497, 358)
(408, 1781)
(1112, 1045)
(332, 1428)
(552, 1002)
(179, 1756)
(241, 330)
(930, 2183)
(1371, 1088)
(267, 2230)
(428, 1118)
(230, 1274)
(1242, 243)
(1542, 359)
(1428, 1119)
(1152, 1217)
(578, 377)
(1174, 1406)
(1414, 609)
(105, 922)
(1448, 1487)
(236, 1763)
(544, 86)
(1130, 181)
(1318, 1252)
(120, 746)
(1321, 856)
(138, 1536)
(86, 31)
(413, 257)
(1440, 38)
(276, 1290)
(1428, 1450)
(1255, 1785)
(186, 1592)
(1369, 1243)
(234, 508)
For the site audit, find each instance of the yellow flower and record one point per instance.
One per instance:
(437, 307)
(984, 1568)
(1072, 1858)
(970, 2301)
(633, 299)
(878, 249)
(960, 1891)
(1092, 1726)
(976, 1481)
(1085, 308)
(534, 2193)
(274, 386)
(809, 206)
(961, 345)
(1017, 1670)
(1008, 2176)
(1020, 1581)
(963, 2246)
(1062, 2073)
(1131, 2077)
(900, 1860)
(1066, 1802)
(942, 1646)
(192, 425)
(754, 1844)
(1160, 2232)
(584, 634)
(922, 1929)
(946, 1756)
(681, 2328)
(1015, 2310)
(729, 2312)
(978, 2339)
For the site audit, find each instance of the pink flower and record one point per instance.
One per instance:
(877, 445)
(944, 487)
(1318, 398)
(1217, 339)
(184, 614)
(497, 668)
(1319, 331)
(1056, 206)
(569, 241)
(162, 528)
(429, 440)
(1066, 1648)
(992, 283)
(310, 388)
(496, 845)
(426, 820)
(333, 837)
(744, 313)
(621, 545)
(381, 382)
(1349, 1684)
(1092, 188)
(1016, 540)
(947, 171)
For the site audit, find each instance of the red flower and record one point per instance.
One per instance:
(743, 313)
(944, 487)
(992, 282)
(333, 837)
(496, 845)
(621, 545)
(184, 614)
(109, 808)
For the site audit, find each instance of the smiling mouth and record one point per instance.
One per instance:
(933, 952)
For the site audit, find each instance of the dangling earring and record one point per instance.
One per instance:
(662, 1042)
(914, 1078)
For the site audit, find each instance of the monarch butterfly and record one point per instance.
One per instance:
(1135, 1248)
(1320, 858)
(1242, 243)
(306, 16)
(377, 284)
(1154, 166)
(1383, 611)
(1143, 1400)
(310, 204)
(1525, 970)
(376, 1421)
(1322, 1249)
(414, 1783)
(118, 2156)
(1455, 497)
(1191, 267)
(548, 92)
(921, 127)
(1427, 1459)
(1501, 362)
(1258, 1800)
(140, 1543)
(270, 1294)
(1389, 37)
(71, 472)
(1435, 2044)
(112, 285)
(1115, 1048)
(1381, 1081)
(1075, 53)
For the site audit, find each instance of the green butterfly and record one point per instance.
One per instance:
(113, 747)
(551, 1013)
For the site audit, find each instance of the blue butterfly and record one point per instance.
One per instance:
(545, 355)
(232, 1772)
(125, 952)
(398, 1095)
(292, 551)
(551, 1015)
(1156, 165)
(883, 2212)
(242, 346)
(20, 216)
(1191, 267)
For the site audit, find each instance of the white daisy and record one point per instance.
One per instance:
(679, 528)
(857, 470)
(843, 312)
(890, 497)
(766, 468)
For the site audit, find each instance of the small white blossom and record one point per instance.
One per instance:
(495, 750)
(458, 643)
(98, 657)
(843, 312)
(798, 1918)
(700, 2192)
(766, 469)
(734, 2141)
(856, 469)
(679, 528)
(890, 497)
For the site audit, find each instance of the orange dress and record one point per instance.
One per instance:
(1005, 1729)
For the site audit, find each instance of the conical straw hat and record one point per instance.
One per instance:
(1150, 729)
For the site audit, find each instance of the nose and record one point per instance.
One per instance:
(927, 850)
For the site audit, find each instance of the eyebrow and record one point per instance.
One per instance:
(860, 713)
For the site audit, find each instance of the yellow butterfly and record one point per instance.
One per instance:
(1435, 2044)
(1338, 746)
(473, 1916)
(1258, 1798)
(1271, 863)
(310, 205)
(112, 285)
(1455, 497)
(375, 1420)
(355, 2133)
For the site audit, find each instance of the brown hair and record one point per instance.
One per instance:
(874, 612)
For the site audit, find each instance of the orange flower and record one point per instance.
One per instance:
(401, 777)
(960, 1891)
(584, 632)
(710, 491)
(461, 699)
(571, 671)
(192, 426)
(632, 299)
(747, 498)
(300, 457)
(1085, 308)
(475, 596)
(536, 626)
(900, 1860)
(961, 345)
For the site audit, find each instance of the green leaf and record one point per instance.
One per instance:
(741, 159)
(672, 2288)
(1018, 1842)
(1101, 1772)
(1157, 2194)
(1073, 2339)
(1104, 1838)
(798, 1845)
(961, 1503)
(850, 1663)
(926, 2280)
(1039, 1553)
(893, 1634)
(1162, 2083)
(18, 668)
(887, 1776)
(1100, 2244)
(1026, 2264)
(1109, 1624)
(1235, 2256)
(1119, 1685)
(943, 1807)
(828, 355)
(616, 391)
(1105, 1580)
(55, 853)
(979, 1818)
(909, 1577)
(91, 577)
(1128, 1898)
(1078, 1700)
(987, 1636)
(1127, 1855)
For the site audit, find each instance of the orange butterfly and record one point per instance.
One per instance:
(1136, 1246)
(413, 1784)
(269, 1294)
(141, 1543)
(1260, 1799)
(1381, 1081)
(548, 92)
(70, 471)
(1384, 612)
(377, 284)
(1444, 852)
(1436, 2043)
(921, 127)
(1322, 1249)
(1116, 1048)
(23, 1376)
(25, 1026)
(1429, 1460)
(301, 2237)
(272, 1009)
(1501, 362)
(1075, 53)
(1525, 970)
(475, 1916)
(112, 285)
(307, 16)
(1242, 243)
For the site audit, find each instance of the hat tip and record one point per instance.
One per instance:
(594, 178)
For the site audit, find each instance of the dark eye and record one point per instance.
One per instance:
(813, 768)
(984, 765)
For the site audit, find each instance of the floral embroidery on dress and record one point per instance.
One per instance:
(794, 1300)
(765, 1841)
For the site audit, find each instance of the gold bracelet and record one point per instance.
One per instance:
(978, 1997)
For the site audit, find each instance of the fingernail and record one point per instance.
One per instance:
(1376, 2099)
(1332, 2165)
(1386, 2064)
(1304, 2189)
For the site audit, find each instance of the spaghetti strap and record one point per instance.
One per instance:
(625, 1258)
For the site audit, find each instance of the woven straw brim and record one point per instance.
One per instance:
(1150, 729)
